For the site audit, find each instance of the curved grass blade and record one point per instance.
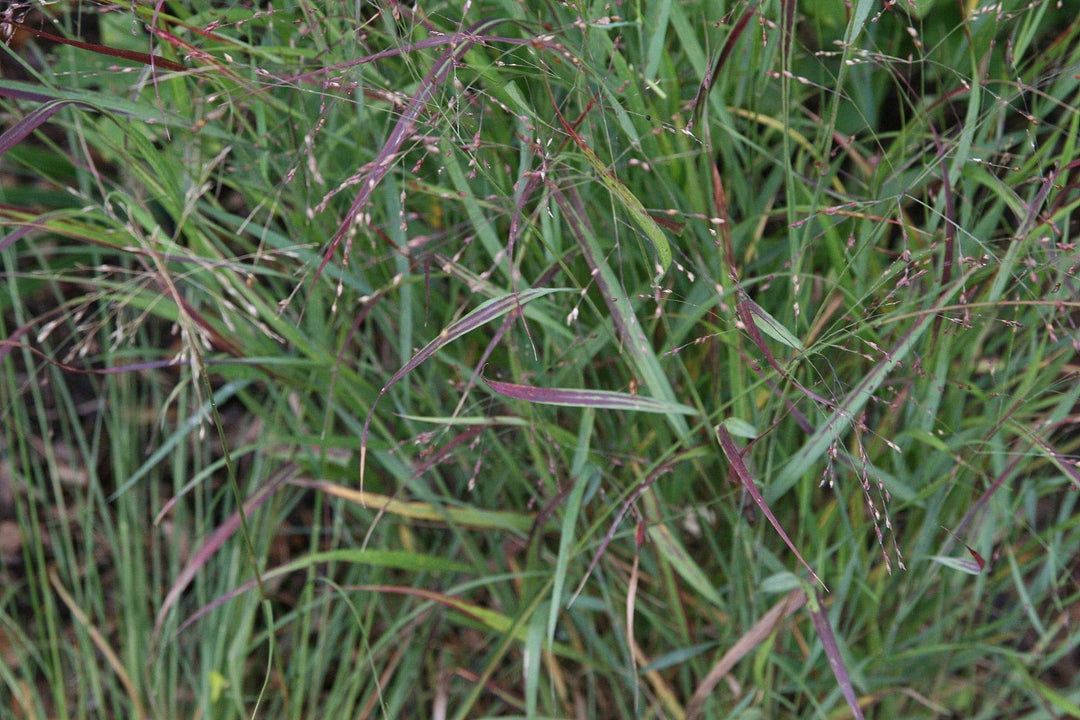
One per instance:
(832, 651)
(33, 120)
(91, 101)
(969, 567)
(731, 450)
(139, 57)
(604, 399)
(488, 311)
(465, 516)
(751, 639)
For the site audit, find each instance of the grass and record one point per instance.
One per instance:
(659, 360)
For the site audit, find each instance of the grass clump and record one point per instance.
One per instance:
(490, 360)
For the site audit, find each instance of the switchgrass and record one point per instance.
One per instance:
(665, 360)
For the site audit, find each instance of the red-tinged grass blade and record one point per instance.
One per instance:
(712, 73)
(33, 120)
(14, 236)
(403, 129)
(21, 94)
(144, 58)
(6, 346)
(396, 559)
(603, 399)
(789, 407)
(104, 103)
(488, 311)
(746, 312)
(674, 227)
(950, 213)
(216, 540)
(959, 158)
(191, 50)
(972, 567)
(462, 516)
(980, 560)
(627, 198)
(731, 450)
(484, 421)
(753, 637)
(746, 315)
(832, 651)
(723, 213)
